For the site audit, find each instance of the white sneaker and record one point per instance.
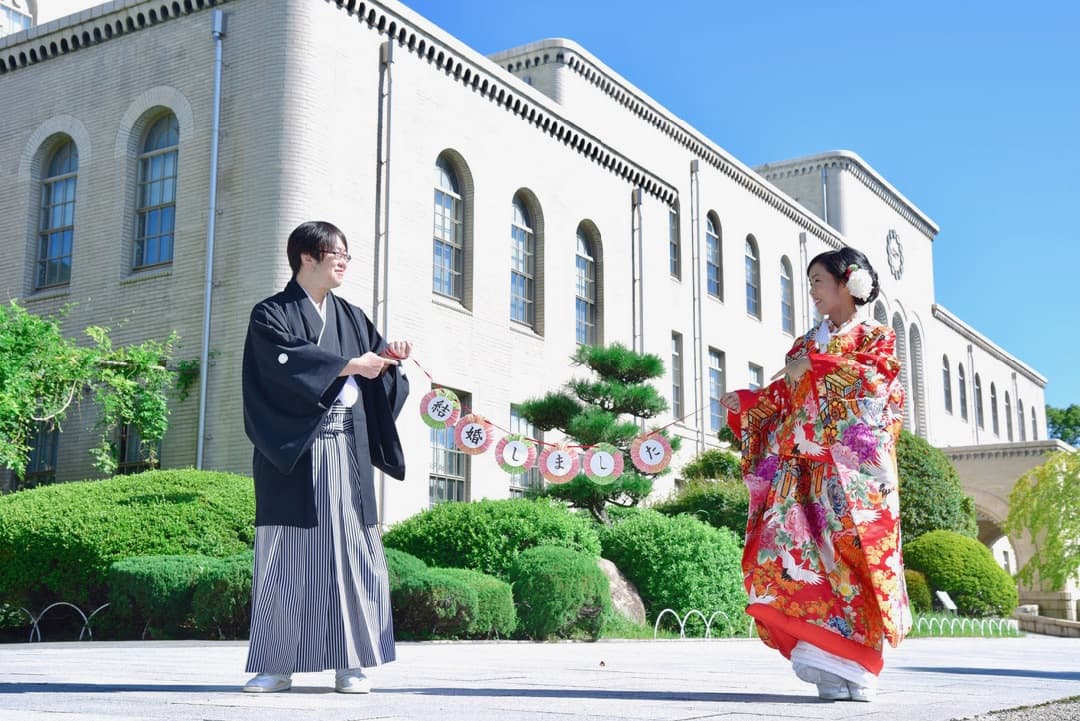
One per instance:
(830, 686)
(861, 693)
(269, 683)
(352, 680)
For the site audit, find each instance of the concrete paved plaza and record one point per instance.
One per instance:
(924, 680)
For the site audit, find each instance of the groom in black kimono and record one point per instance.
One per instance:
(321, 391)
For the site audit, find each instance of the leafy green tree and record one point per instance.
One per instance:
(42, 374)
(607, 407)
(1064, 423)
(931, 498)
(1045, 503)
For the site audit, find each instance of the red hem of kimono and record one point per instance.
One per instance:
(786, 631)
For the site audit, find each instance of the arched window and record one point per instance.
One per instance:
(1020, 419)
(978, 402)
(522, 266)
(946, 382)
(1008, 417)
(1034, 425)
(155, 214)
(787, 297)
(586, 290)
(449, 234)
(714, 263)
(56, 229)
(917, 374)
(880, 314)
(753, 278)
(962, 387)
(994, 410)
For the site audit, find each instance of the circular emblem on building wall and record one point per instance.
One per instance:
(896, 254)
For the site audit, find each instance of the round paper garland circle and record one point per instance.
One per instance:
(651, 453)
(472, 434)
(603, 464)
(558, 464)
(440, 408)
(515, 453)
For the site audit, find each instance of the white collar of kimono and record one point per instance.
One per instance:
(350, 392)
(824, 334)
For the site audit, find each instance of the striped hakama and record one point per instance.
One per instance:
(321, 596)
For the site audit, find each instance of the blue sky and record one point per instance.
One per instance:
(971, 110)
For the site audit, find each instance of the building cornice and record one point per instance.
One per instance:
(974, 336)
(90, 27)
(864, 173)
(999, 451)
(637, 102)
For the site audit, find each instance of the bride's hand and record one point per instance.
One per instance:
(730, 401)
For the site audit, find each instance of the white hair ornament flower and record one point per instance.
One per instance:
(859, 282)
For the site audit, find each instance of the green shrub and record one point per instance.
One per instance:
(713, 465)
(401, 565)
(221, 602)
(721, 504)
(560, 592)
(918, 591)
(155, 592)
(678, 563)
(57, 542)
(488, 535)
(966, 570)
(931, 498)
(495, 614)
(434, 605)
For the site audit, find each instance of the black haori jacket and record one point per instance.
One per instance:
(289, 384)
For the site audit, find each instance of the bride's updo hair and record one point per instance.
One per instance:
(837, 262)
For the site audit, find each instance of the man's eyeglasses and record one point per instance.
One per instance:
(339, 254)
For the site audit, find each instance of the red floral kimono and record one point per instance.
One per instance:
(822, 561)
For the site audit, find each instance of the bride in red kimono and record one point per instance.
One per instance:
(822, 562)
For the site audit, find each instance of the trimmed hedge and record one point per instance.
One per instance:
(153, 593)
(495, 613)
(433, 605)
(918, 591)
(678, 563)
(560, 592)
(57, 542)
(221, 602)
(966, 570)
(721, 504)
(931, 498)
(489, 535)
(401, 565)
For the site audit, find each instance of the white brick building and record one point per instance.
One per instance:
(361, 113)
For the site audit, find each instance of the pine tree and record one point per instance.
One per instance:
(610, 406)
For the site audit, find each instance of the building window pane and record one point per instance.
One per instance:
(1034, 426)
(676, 376)
(946, 382)
(155, 216)
(448, 259)
(756, 377)
(41, 464)
(448, 477)
(586, 290)
(674, 244)
(1020, 419)
(530, 479)
(717, 388)
(135, 455)
(713, 260)
(56, 229)
(787, 297)
(962, 388)
(753, 279)
(522, 267)
(994, 409)
(978, 402)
